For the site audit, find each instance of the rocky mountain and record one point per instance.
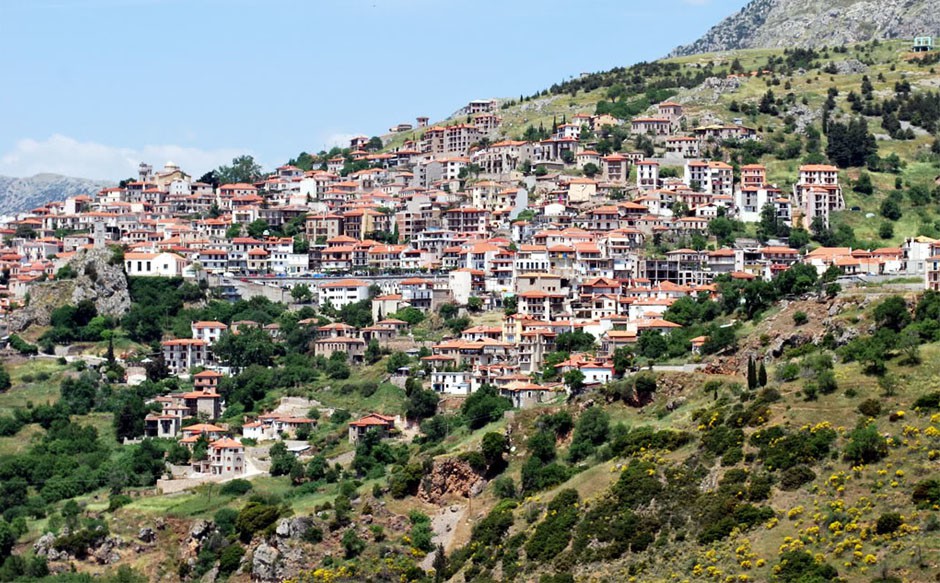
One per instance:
(23, 194)
(815, 23)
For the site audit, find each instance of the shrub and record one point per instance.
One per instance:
(865, 445)
(888, 523)
(800, 318)
(788, 372)
(551, 536)
(926, 493)
(254, 517)
(116, 501)
(224, 520)
(794, 477)
(230, 559)
(504, 487)
(352, 544)
(928, 401)
(313, 534)
(870, 408)
(236, 487)
(800, 566)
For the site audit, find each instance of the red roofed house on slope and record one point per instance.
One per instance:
(382, 424)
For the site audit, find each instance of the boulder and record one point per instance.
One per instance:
(146, 535)
(264, 563)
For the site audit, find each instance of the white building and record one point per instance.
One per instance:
(343, 292)
(209, 332)
(154, 264)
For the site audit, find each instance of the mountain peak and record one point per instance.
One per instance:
(23, 194)
(816, 23)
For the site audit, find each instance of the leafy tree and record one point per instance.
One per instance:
(590, 433)
(243, 169)
(892, 314)
(484, 406)
(249, 347)
(577, 341)
(373, 352)
(590, 170)
(493, 447)
(301, 293)
(574, 379)
(422, 404)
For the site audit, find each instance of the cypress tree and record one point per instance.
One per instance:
(762, 375)
(751, 374)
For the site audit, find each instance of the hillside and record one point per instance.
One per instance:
(817, 23)
(23, 194)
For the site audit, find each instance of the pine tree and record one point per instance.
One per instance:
(751, 375)
(762, 375)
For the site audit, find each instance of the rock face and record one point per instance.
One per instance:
(23, 194)
(450, 476)
(817, 23)
(96, 280)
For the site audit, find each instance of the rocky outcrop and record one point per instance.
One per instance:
(95, 279)
(450, 477)
(817, 23)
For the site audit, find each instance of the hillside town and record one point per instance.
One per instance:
(560, 237)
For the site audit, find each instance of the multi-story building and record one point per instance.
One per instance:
(817, 192)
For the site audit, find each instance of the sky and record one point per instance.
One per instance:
(93, 87)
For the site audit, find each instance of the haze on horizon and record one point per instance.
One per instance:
(99, 85)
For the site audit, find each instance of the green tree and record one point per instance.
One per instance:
(243, 169)
(5, 382)
(484, 406)
(373, 352)
(574, 379)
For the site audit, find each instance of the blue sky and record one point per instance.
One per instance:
(92, 87)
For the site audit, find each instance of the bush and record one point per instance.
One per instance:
(236, 487)
(504, 487)
(230, 559)
(926, 493)
(870, 408)
(929, 401)
(888, 523)
(352, 544)
(224, 520)
(116, 501)
(788, 372)
(794, 477)
(865, 445)
(800, 318)
(254, 517)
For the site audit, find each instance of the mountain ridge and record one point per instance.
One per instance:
(817, 23)
(23, 194)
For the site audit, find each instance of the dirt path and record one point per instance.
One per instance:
(444, 525)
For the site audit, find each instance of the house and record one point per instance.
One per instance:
(817, 192)
(383, 425)
(343, 292)
(154, 264)
(226, 456)
(525, 394)
(452, 383)
(291, 425)
(210, 332)
(161, 425)
(185, 353)
(355, 348)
